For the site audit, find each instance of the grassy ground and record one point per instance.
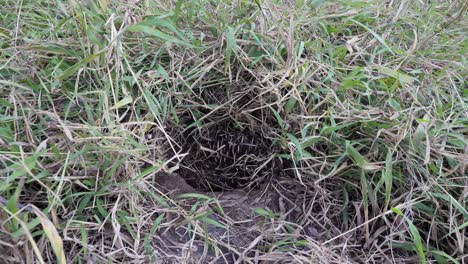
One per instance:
(354, 112)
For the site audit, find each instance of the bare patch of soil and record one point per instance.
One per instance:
(239, 222)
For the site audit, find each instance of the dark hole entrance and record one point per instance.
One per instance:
(224, 156)
(228, 148)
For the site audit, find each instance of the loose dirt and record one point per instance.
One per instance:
(241, 213)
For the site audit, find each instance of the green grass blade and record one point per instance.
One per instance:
(73, 69)
(449, 198)
(388, 178)
(140, 28)
(403, 78)
(377, 36)
(415, 235)
(359, 159)
(230, 47)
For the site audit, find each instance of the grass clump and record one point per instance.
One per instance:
(143, 131)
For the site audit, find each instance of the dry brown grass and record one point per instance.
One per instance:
(233, 132)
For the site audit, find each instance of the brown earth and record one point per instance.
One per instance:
(244, 227)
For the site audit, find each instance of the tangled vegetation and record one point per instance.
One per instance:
(307, 131)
